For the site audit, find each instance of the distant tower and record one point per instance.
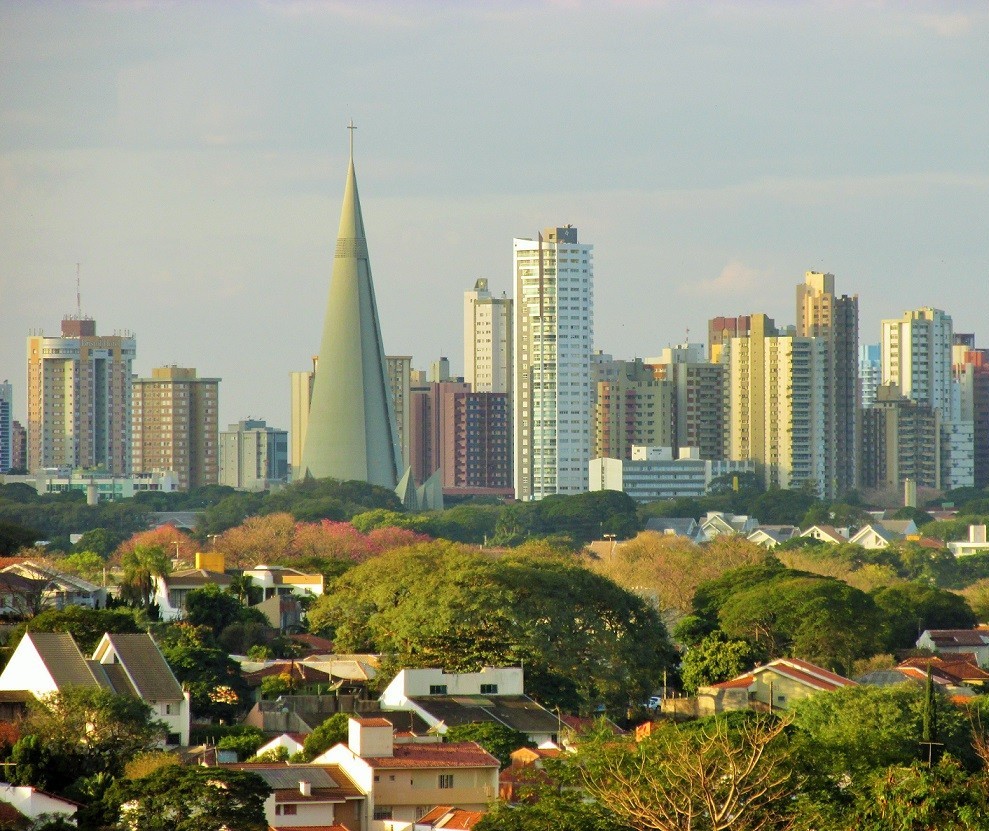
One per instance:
(351, 430)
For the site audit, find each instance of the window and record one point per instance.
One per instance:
(489, 689)
(382, 812)
(437, 689)
(286, 810)
(446, 780)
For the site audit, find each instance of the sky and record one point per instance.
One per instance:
(191, 157)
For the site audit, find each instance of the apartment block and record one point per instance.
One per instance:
(79, 398)
(253, 455)
(174, 425)
(901, 440)
(631, 407)
(488, 327)
(476, 447)
(6, 425)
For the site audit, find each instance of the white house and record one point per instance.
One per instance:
(975, 544)
(46, 662)
(32, 803)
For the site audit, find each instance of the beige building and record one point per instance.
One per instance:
(776, 404)
(79, 398)
(174, 425)
(302, 383)
(403, 782)
(631, 407)
(487, 340)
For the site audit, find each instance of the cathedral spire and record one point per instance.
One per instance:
(351, 432)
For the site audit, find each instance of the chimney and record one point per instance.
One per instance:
(305, 788)
(976, 533)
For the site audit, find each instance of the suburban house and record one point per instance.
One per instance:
(21, 805)
(772, 686)
(975, 544)
(827, 533)
(20, 597)
(947, 641)
(769, 536)
(60, 589)
(958, 675)
(46, 662)
(309, 796)
(403, 782)
(492, 695)
(281, 580)
(291, 743)
(716, 523)
(171, 591)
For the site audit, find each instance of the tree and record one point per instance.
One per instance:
(142, 565)
(181, 798)
(245, 743)
(498, 739)
(331, 732)
(213, 679)
(101, 541)
(783, 507)
(216, 609)
(718, 775)
(81, 731)
(584, 640)
(910, 608)
(14, 537)
(87, 626)
(87, 564)
(715, 659)
(545, 809)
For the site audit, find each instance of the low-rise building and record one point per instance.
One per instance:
(403, 782)
(58, 589)
(773, 686)
(975, 544)
(947, 641)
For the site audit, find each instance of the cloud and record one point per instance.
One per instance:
(735, 278)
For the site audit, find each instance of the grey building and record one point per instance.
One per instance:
(253, 455)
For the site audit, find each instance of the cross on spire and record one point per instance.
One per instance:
(351, 127)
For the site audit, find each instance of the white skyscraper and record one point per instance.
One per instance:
(487, 340)
(554, 335)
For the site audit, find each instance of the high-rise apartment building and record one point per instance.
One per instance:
(427, 427)
(631, 407)
(722, 329)
(917, 360)
(301, 389)
(253, 455)
(901, 439)
(175, 425)
(971, 370)
(870, 372)
(6, 424)
(399, 369)
(823, 314)
(79, 398)
(776, 396)
(18, 446)
(554, 333)
(476, 446)
(487, 340)
(698, 399)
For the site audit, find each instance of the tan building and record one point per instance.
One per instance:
(776, 404)
(403, 782)
(79, 398)
(823, 314)
(487, 340)
(174, 425)
(302, 383)
(631, 407)
(901, 439)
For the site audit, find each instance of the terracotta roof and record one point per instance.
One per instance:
(735, 683)
(802, 671)
(10, 817)
(308, 828)
(446, 755)
(313, 642)
(450, 818)
(581, 724)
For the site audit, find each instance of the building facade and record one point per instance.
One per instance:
(174, 425)
(870, 372)
(823, 314)
(631, 407)
(253, 455)
(301, 390)
(488, 339)
(6, 426)
(554, 333)
(79, 398)
(971, 369)
(476, 443)
(901, 439)
(400, 382)
(427, 427)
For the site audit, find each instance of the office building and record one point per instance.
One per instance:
(487, 340)
(6, 425)
(823, 314)
(554, 333)
(175, 426)
(723, 329)
(350, 433)
(79, 398)
(253, 456)
(776, 404)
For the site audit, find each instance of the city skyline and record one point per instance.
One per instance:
(189, 158)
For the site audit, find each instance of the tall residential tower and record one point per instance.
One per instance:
(554, 333)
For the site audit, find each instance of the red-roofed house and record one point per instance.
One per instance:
(772, 686)
(403, 782)
(946, 641)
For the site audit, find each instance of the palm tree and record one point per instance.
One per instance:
(142, 566)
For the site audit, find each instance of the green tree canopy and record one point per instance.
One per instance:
(14, 537)
(331, 732)
(582, 638)
(498, 739)
(142, 565)
(85, 625)
(910, 608)
(715, 659)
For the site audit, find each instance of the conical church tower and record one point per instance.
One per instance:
(351, 433)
